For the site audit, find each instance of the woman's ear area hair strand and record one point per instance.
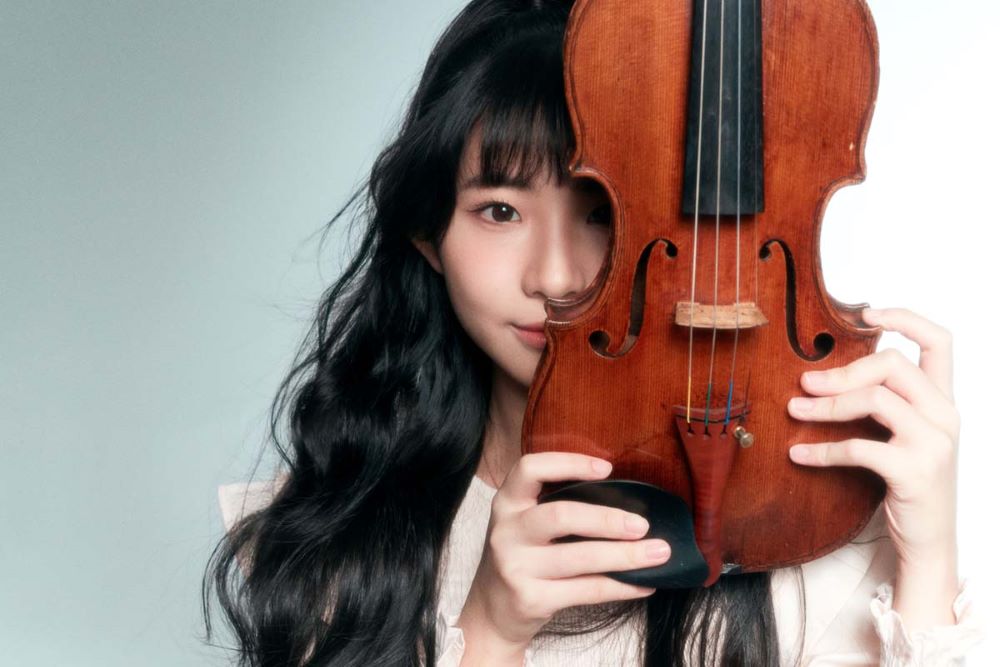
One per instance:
(430, 253)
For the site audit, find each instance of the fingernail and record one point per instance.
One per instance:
(603, 467)
(815, 378)
(636, 524)
(657, 550)
(801, 404)
(799, 453)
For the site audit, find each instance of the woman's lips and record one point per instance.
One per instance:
(532, 335)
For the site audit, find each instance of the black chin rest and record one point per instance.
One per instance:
(669, 519)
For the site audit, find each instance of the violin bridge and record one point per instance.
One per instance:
(743, 315)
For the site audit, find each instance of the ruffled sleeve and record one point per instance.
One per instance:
(944, 645)
(451, 642)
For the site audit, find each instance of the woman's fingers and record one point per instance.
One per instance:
(893, 370)
(885, 406)
(524, 482)
(885, 460)
(547, 521)
(571, 559)
(916, 444)
(878, 402)
(934, 340)
(592, 589)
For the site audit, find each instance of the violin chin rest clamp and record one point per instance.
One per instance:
(669, 519)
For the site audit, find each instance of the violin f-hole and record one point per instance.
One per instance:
(599, 339)
(823, 342)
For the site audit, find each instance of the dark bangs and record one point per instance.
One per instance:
(525, 123)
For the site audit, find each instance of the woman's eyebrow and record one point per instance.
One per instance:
(585, 185)
(477, 181)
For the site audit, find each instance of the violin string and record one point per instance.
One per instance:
(758, 164)
(718, 209)
(697, 197)
(746, 393)
(756, 188)
(739, 167)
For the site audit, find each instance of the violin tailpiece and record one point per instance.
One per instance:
(710, 450)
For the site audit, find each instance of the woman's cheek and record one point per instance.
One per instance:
(476, 301)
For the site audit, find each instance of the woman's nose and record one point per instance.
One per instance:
(556, 266)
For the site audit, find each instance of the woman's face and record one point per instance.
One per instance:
(507, 249)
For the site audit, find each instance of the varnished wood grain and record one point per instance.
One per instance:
(626, 77)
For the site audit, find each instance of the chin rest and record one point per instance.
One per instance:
(669, 519)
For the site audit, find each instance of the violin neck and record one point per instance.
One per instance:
(724, 156)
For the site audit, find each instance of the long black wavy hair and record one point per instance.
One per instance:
(387, 402)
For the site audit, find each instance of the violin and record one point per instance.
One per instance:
(719, 129)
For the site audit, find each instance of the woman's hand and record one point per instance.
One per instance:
(915, 403)
(918, 463)
(524, 579)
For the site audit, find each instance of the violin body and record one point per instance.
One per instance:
(678, 361)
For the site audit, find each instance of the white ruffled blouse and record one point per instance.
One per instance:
(848, 601)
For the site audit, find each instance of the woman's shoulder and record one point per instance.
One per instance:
(239, 499)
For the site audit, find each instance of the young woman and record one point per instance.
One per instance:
(405, 528)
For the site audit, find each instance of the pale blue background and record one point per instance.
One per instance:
(164, 165)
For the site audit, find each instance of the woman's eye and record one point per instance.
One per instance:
(601, 215)
(504, 211)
